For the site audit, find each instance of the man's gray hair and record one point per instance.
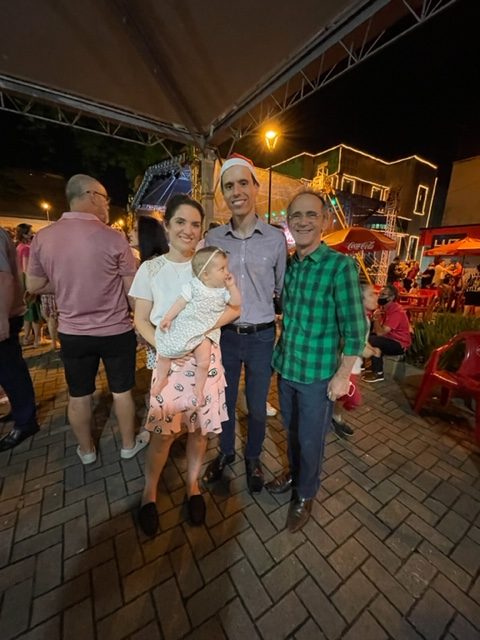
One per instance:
(309, 192)
(77, 185)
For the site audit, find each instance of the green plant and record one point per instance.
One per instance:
(428, 336)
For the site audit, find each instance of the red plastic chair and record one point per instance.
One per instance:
(465, 382)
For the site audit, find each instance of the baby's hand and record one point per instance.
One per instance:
(230, 280)
(165, 324)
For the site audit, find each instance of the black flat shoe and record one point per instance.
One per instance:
(214, 471)
(148, 519)
(15, 437)
(280, 484)
(196, 510)
(298, 513)
(255, 478)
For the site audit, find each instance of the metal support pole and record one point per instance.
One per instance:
(207, 166)
(269, 193)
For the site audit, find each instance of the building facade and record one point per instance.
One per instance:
(462, 206)
(371, 189)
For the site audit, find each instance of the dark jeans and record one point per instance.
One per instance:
(307, 416)
(387, 346)
(15, 379)
(254, 351)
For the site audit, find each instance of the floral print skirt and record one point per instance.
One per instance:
(178, 396)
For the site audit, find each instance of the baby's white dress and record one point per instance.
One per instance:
(204, 307)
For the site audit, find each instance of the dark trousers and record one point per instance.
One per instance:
(387, 346)
(254, 352)
(307, 416)
(15, 379)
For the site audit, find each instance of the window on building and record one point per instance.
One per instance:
(421, 200)
(348, 185)
(376, 193)
(412, 247)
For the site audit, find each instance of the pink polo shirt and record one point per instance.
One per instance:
(85, 261)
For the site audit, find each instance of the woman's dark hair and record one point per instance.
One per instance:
(152, 239)
(22, 230)
(177, 201)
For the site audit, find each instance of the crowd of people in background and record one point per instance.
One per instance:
(205, 306)
(456, 288)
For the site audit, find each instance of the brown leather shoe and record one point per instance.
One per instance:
(280, 484)
(298, 513)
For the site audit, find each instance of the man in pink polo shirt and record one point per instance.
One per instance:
(90, 268)
(390, 331)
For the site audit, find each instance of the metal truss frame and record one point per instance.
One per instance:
(23, 98)
(287, 88)
(358, 47)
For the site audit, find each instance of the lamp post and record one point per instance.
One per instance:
(271, 139)
(46, 206)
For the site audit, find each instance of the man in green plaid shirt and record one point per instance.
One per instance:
(323, 318)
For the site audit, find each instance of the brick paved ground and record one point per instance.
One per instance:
(392, 550)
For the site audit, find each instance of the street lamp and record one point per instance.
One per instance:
(46, 206)
(271, 139)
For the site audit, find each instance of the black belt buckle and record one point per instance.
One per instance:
(245, 329)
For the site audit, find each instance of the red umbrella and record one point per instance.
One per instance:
(356, 239)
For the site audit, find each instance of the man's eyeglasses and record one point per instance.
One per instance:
(309, 215)
(98, 193)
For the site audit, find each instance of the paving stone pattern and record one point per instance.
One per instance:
(392, 549)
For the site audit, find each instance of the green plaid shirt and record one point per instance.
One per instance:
(322, 316)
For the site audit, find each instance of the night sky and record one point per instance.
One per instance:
(417, 96)
(420, 95)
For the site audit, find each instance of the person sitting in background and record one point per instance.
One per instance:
(390, 331)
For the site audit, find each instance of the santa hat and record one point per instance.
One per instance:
(237, 160)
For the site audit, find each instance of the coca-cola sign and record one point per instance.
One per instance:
(369, 245)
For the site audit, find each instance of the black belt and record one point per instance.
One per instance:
(249, 328)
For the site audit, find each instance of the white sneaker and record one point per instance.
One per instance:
(87, 458)
(271, 411)
(140, 443)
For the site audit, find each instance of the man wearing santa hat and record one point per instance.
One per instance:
(257, 258)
